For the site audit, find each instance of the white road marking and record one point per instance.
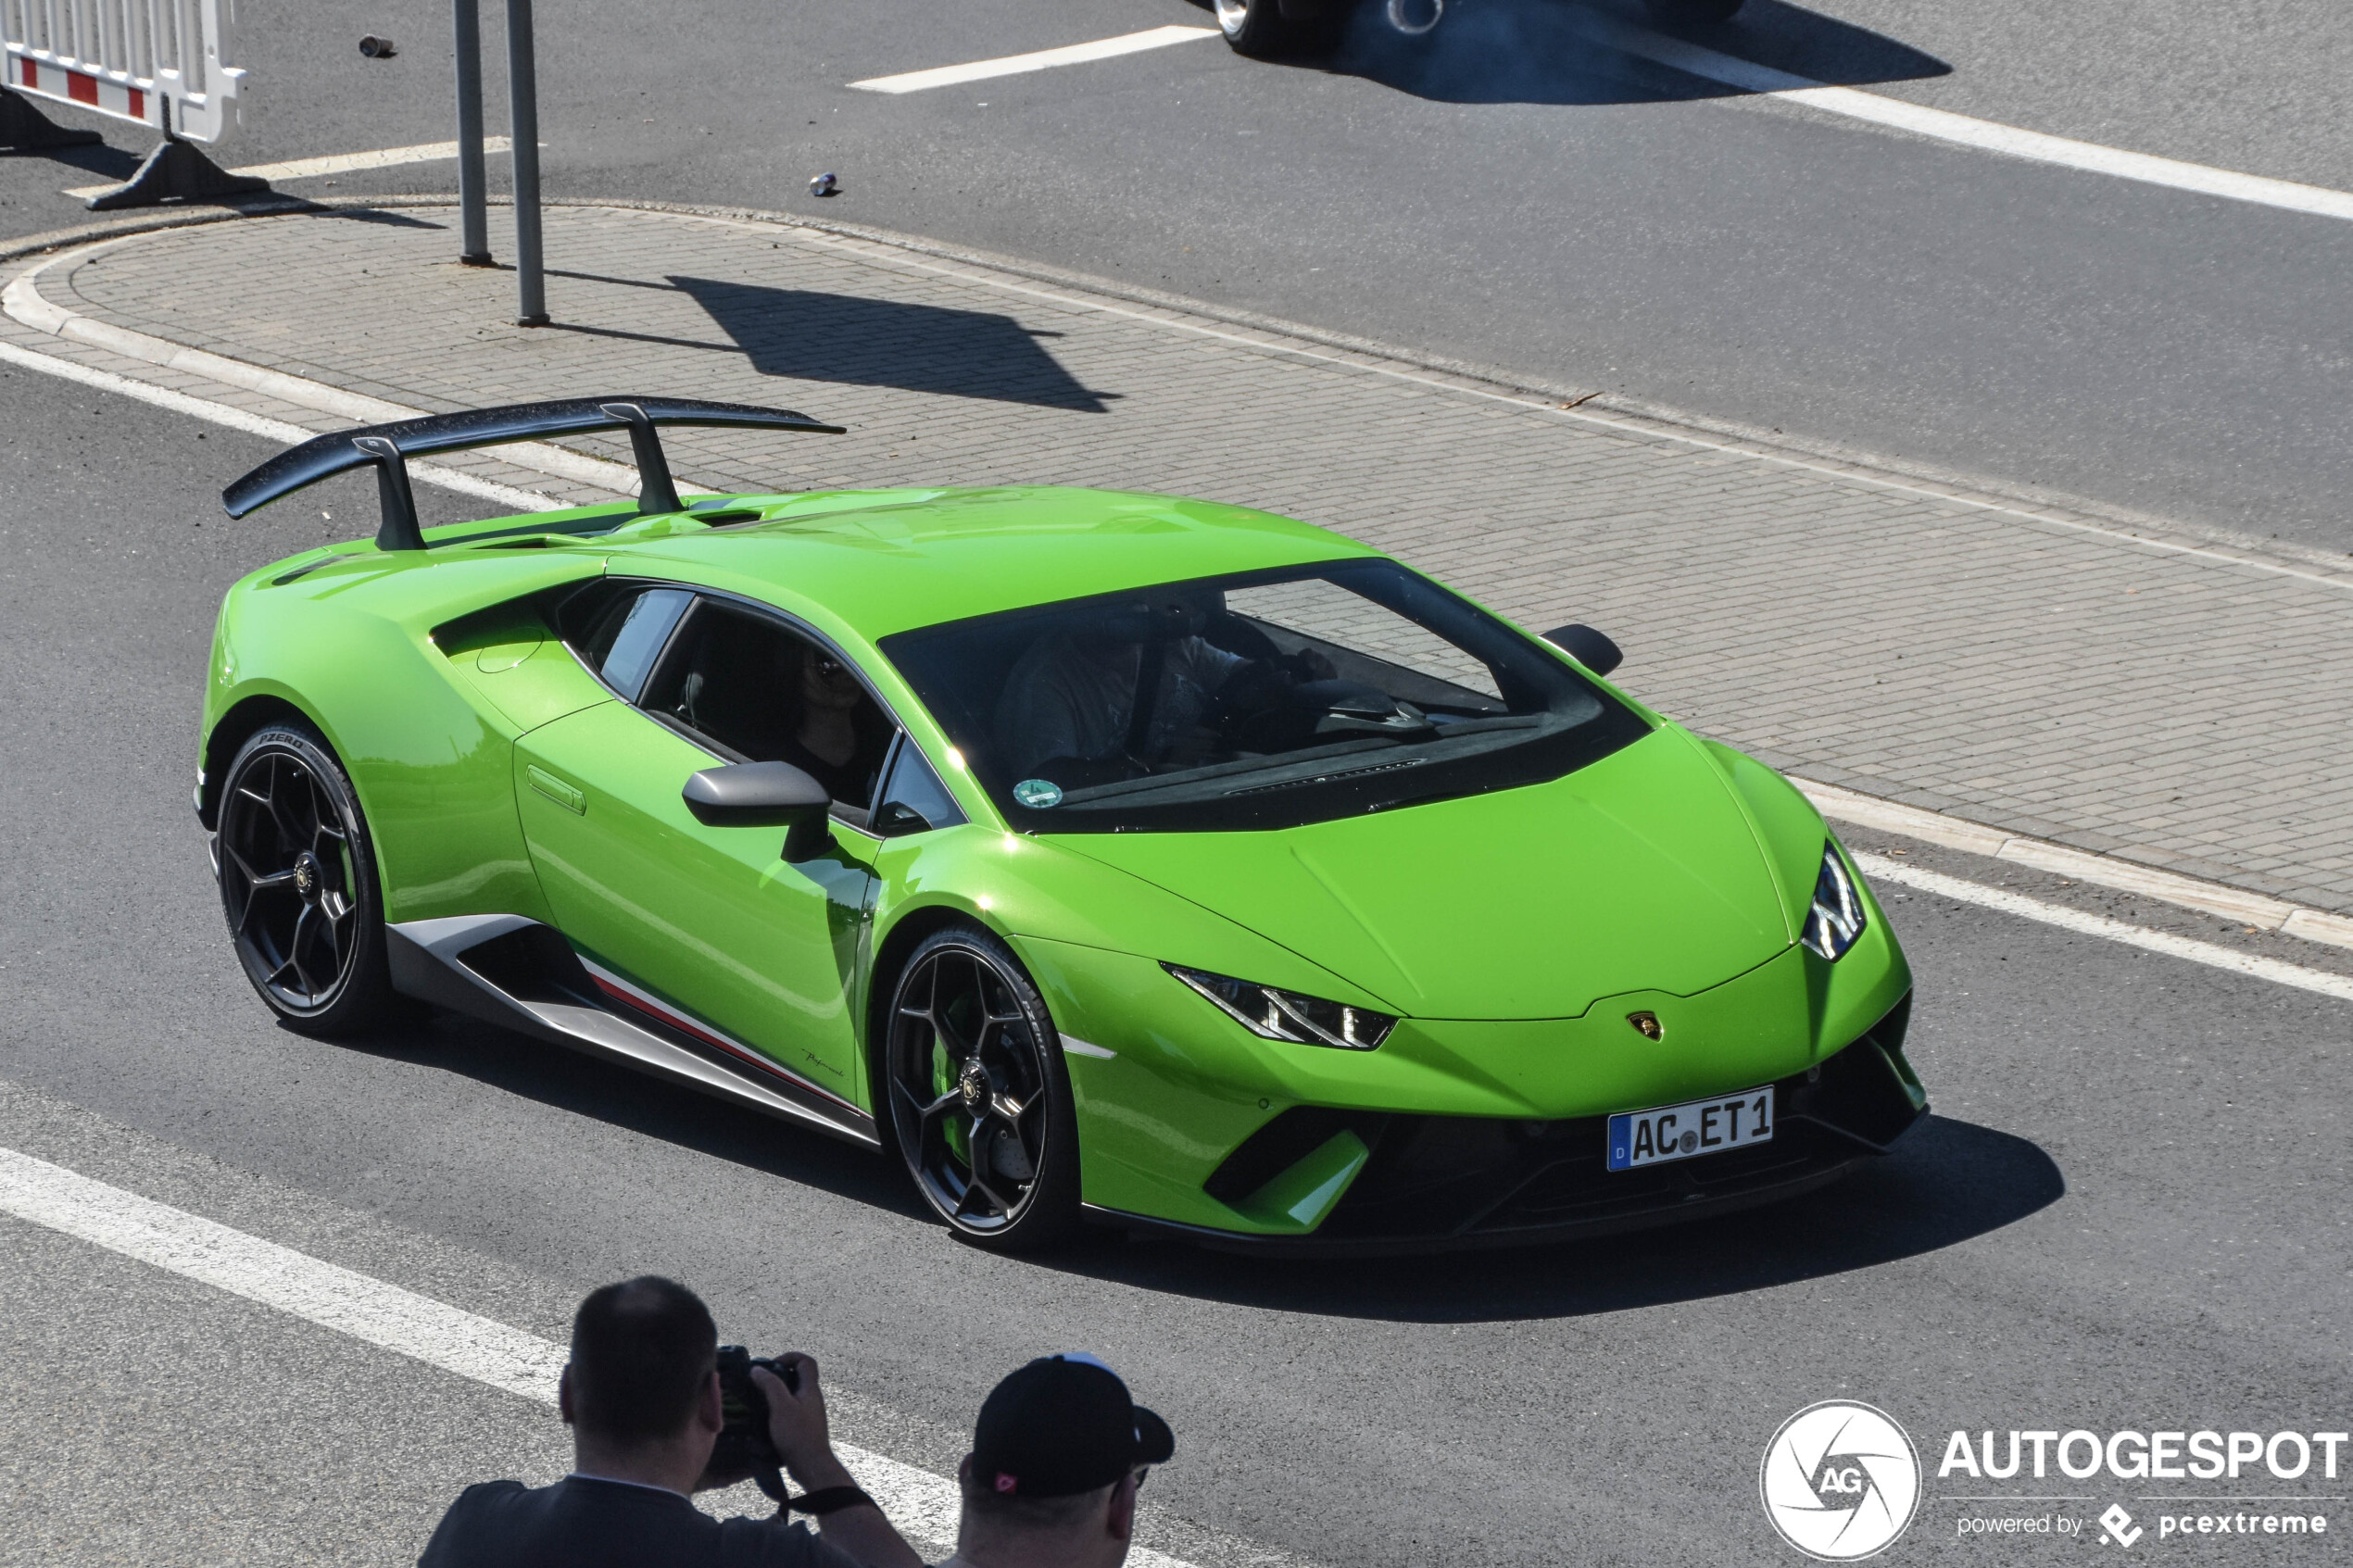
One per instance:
(1042, 59)
(22, 301)
(2125, 876)
(483, 1349)
(254, 424)
(1963, 130)
(1878, 868)
(340, 163)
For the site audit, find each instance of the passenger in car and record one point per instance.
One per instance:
(1113, 697)
(838, 737)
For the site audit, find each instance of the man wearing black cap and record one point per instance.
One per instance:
(1057, 1455)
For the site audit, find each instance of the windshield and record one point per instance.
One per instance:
(1262, 701)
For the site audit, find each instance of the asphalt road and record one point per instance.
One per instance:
(1516, 196)
(2127, 1212)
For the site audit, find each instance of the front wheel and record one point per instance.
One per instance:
(979, 1096)
(298, 884)
(1254, 27)
(1687, 12)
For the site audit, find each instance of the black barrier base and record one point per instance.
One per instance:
(176, 171)
(24, 128)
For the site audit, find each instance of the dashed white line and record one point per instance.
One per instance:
(1041, 59)
(339, 163)
(1878, 868)
(921, 1503)
(1943, 125)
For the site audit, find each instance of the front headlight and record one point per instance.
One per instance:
(1836, 918)
(1286, 1015)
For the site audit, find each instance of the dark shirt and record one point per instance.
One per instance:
(581, 1522)
(851, 783)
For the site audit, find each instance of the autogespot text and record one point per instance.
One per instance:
(2144, 1456)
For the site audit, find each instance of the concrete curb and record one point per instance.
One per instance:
(1583, 405)
(2101, 871)
(21, 300)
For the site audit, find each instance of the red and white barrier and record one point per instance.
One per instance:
(139, 60)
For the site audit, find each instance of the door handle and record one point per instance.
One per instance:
(555, 789)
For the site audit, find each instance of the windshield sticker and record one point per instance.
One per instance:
(1038, 794)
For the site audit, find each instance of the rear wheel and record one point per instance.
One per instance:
(298, 884)
(979, 1096)
(1685, 12)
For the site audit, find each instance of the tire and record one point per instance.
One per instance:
(1686, 13)
(980, 1101)
(298, 875)
(1256, 28)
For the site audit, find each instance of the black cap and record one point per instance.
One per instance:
(1062, 1425)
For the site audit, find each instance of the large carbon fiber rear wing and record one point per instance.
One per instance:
(389, 446)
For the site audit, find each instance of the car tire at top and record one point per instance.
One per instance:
(1687, 13)
(1270, 29)
(298, 886)
(980, 1100)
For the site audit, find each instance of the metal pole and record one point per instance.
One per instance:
(522, 100)
(475, 251)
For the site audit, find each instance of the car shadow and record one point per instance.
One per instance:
(655, 1107)
(1947, 1182)
(1552, 52)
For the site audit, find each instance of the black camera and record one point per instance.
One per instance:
(744, 1446)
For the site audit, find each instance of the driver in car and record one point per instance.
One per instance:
(1133, 689)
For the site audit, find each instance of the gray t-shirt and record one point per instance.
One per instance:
(1068, 699)
(581, 1521)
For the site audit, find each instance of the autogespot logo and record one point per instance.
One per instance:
(1840, 1481)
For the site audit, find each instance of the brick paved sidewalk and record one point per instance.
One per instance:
(2043, 675)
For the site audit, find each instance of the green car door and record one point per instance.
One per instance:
(708, 922)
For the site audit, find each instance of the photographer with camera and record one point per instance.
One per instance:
(1059, 1453)
(658, 1411)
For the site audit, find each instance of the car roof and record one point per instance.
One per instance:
(885, 561)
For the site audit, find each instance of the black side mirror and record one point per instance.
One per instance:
(1587, 646)
(765, 795)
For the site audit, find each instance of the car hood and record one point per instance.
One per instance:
(1637, 872)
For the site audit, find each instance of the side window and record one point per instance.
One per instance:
(913, 799)
(625, 639)
(755, 691)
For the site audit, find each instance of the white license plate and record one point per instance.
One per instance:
(1693, 1128)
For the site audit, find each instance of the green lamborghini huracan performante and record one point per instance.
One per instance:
(1099, 856)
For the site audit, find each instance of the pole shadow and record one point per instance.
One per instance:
(1536, 52)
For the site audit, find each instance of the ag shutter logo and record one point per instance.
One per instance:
(1840, 1481)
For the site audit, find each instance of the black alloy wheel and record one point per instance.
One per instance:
(298, 884)
(979, 1096)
